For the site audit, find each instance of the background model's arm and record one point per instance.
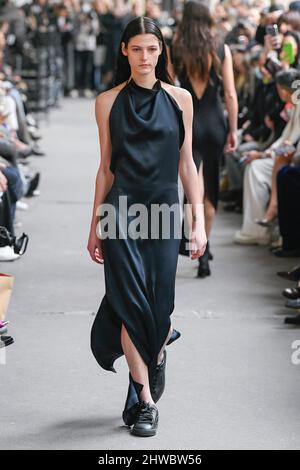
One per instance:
(192, 183)
(231, 101)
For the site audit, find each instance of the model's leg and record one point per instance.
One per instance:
(209, 214)
(209, 210)
(137, 366)
(130, 409)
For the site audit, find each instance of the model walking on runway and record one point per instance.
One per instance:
(145, 133)
(202, 67)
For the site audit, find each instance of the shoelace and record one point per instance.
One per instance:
(146, 412)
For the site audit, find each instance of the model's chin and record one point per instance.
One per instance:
(145, 69)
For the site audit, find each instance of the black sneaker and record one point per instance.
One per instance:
(147, 420)
(157, 387)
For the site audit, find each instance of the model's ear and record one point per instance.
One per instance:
(124, 49)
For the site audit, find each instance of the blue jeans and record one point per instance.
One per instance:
(15, 187)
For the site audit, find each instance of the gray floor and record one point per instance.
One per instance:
(230, 379)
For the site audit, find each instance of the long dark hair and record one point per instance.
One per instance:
(141, 25)
(194, 42)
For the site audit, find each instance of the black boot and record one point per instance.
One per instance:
(203, 268)
(210, 255)
(158, 382)
(131, 407)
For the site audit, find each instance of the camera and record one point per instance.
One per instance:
(273, 65)
(272, 30)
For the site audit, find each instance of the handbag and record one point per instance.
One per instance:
(6, 285)
(19, 245)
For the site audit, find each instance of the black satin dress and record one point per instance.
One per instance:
(210, 128)
(147, 131)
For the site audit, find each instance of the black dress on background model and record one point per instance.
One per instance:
(147, 131)
(209, 133)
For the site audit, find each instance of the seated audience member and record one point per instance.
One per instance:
(288, 188)
(258, 172)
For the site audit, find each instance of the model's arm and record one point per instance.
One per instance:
(104, 177)
(231, 101)
(192, 184)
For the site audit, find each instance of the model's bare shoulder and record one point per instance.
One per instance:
(106, 99)
(181, 96)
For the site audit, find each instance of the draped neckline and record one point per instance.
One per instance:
(156, 87)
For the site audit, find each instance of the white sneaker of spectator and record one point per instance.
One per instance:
(74, 93)
(88, 93)
(244, 239)
(7, 254)
(22, 206)
(30, 120)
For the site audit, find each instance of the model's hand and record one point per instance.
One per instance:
(198, 242)
(94, 247)
(231, 142)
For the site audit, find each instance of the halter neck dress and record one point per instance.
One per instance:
(147, 131)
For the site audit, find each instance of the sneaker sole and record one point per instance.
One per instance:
(142, 433)
(251, 242)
